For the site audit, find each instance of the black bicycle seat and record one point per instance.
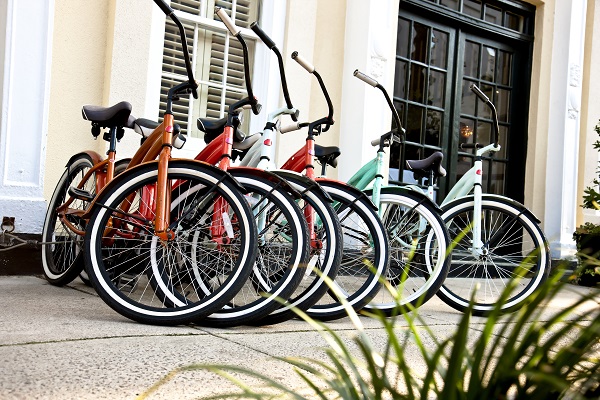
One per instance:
(211, 127)
(327, 155)
(422, 168)
(114, 116)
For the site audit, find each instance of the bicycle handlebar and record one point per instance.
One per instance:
(164, 7)
(273, 47)
(169, 12)
(365, 78)
(235, 31)
(326, 122)
(475, 89)
(262, 35)
(305, 64)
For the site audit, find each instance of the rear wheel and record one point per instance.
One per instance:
(418, 251)
(325, 251)
(283, 250)
(62, 259)
(143, 277)
(364, 256)
(516, 255)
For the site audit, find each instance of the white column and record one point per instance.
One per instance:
(24, 105)
(563, 135)
(370, 46)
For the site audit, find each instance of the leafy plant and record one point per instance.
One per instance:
(524, 357)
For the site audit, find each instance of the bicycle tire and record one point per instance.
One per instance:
(62, 262)
(120, 166)
(122, 264)
(275, 276)
(517, 249)
(419, 243)
(325, 256)
(365, 253)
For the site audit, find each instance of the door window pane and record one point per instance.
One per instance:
(437, 84)
(453, 4)
(400, 79)
(420, 42)
(417, 83)
(414, 123)
(488, 64)
(497, 177)
(466, 131)
(471, 64)
(484, 130)
(493, 15)
(469, 99)
(472, 8)
(433, 127)
(403, 38)
(439, 49)
(503, 141)
(504, 68)
(514, 22)
(503, 104)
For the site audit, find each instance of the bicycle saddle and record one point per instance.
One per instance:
(145, 127)
(327, 155)
(117, 115)
(214, 127)
(422, 168)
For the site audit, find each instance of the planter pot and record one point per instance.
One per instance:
(588, 244)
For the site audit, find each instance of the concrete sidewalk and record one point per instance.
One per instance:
(65, 343)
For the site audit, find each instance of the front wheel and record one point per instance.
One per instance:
(147, 279)
(515, 255)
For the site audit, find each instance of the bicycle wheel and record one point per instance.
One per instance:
(364, 256)
(120, 166)
(418, 251)
(283, 250)
(516, 250)
(325, 250)
(126, 261)
(62, 260)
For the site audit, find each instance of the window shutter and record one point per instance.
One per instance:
(213, 59)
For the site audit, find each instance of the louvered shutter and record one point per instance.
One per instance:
(215, 58)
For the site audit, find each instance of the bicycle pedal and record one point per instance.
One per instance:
(81, 194)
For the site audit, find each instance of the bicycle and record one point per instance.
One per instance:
(137, 240)
(494, 239)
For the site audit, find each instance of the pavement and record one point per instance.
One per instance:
(65, 343)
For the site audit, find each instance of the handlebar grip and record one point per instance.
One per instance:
(234, 30)
(164, 7)
(305, 64)
(290, 128)
(365, 78)
(262, 35)
(375, 142)
(475, 89)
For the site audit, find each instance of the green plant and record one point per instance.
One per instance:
(523, 358)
